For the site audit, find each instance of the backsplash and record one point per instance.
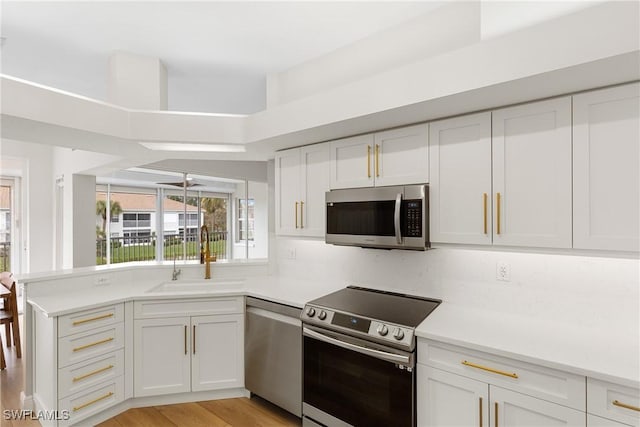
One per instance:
(590, 290)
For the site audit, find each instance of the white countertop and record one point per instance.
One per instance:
(609, 355)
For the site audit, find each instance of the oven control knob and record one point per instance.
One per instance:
(322, 315)
(311, 311)
(383, 330)
(398, 334)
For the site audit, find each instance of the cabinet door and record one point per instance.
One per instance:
(288, 192)
(446, 399)
(606, 165)
(511, 409)
(161, 356)
(352, 162)
(460, 180)
(217, 352)
(401, 156)
(315, 182)
(532, 174)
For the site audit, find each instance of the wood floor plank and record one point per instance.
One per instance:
(238, 413)
(140, 417)
(112, 422)
(191, 414)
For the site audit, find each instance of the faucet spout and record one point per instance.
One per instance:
(205, 254)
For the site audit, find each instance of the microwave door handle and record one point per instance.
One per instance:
(378, 354)
(396, 218)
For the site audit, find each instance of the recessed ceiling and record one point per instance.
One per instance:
(217, 54)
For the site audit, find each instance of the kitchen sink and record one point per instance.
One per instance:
(197, 285)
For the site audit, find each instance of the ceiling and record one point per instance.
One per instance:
(217, 53)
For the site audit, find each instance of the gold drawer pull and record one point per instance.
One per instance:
(97, 371)
(498, 209)
(368, 161)
(82, 347)
(84, 405)
(484, 212)
(377, 160)
(496, 413)
(495, 371)
(625, 406)
(480, 414)
(80, 322)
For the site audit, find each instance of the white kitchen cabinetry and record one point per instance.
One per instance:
(613, 402)
(595, 421)
(183, 353)
(532, 174)
(606, 169)
(457, 386)
(394, 157)
(460, 208)
(302, 178)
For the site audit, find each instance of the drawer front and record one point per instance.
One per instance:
(594, 421)
(187, 307)
(88, 373)
(613, 401)
(91, 401)
(544, 383)
(83, 346)
(90, 319)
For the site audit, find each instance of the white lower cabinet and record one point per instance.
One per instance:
(189, 353)
(615, 402)
(470, 388)
(595, 421)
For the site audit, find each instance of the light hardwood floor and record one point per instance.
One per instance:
(242, 412)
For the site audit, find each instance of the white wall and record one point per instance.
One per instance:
(35, 164)
(84, 220)
(590, 290)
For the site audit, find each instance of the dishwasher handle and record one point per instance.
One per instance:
(275, 316)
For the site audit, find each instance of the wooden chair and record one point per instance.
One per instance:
(9, 317)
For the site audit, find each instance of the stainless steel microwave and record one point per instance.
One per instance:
(381, 217)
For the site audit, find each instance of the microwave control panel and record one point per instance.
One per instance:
(413, 209)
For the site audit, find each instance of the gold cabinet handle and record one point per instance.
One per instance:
(82, 347)
(84, 405)
(626, 406)
(185, 339)
(496, 417)
(498, 212)
(301, 215)
(480, 410)
(377, 160)
(368, 161)
(89, 374)
(484, 211)
(296, 214)
(485, 368)
(194, 339)
(92, 319)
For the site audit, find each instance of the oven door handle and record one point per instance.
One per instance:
(390, 357)
(396, 218)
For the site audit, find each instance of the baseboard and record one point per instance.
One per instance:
(26, 402)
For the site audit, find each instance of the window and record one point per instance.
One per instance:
(246, 226)
(115, 218)
(192, 220)
(136, 220)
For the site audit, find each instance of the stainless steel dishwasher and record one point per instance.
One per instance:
(273, 353)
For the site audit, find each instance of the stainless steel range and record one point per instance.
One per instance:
(359, 357)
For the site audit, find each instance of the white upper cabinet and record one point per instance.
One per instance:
(401, 156)
(532, 174)
(460, 208)
(302, 178)
(393, 157)
(352, 162)
(606, 165)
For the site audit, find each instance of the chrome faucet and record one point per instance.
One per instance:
(205, 255)
(176, 273)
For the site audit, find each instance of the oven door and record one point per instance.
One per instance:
(349, 381)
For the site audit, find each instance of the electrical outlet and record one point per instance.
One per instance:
(503, 272)
(291, 253)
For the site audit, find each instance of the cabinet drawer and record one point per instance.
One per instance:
(85, 374)
(187, 307)
(91, 401)
(545, 383)
(90, 319)
(79, 347)
(613, 401)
